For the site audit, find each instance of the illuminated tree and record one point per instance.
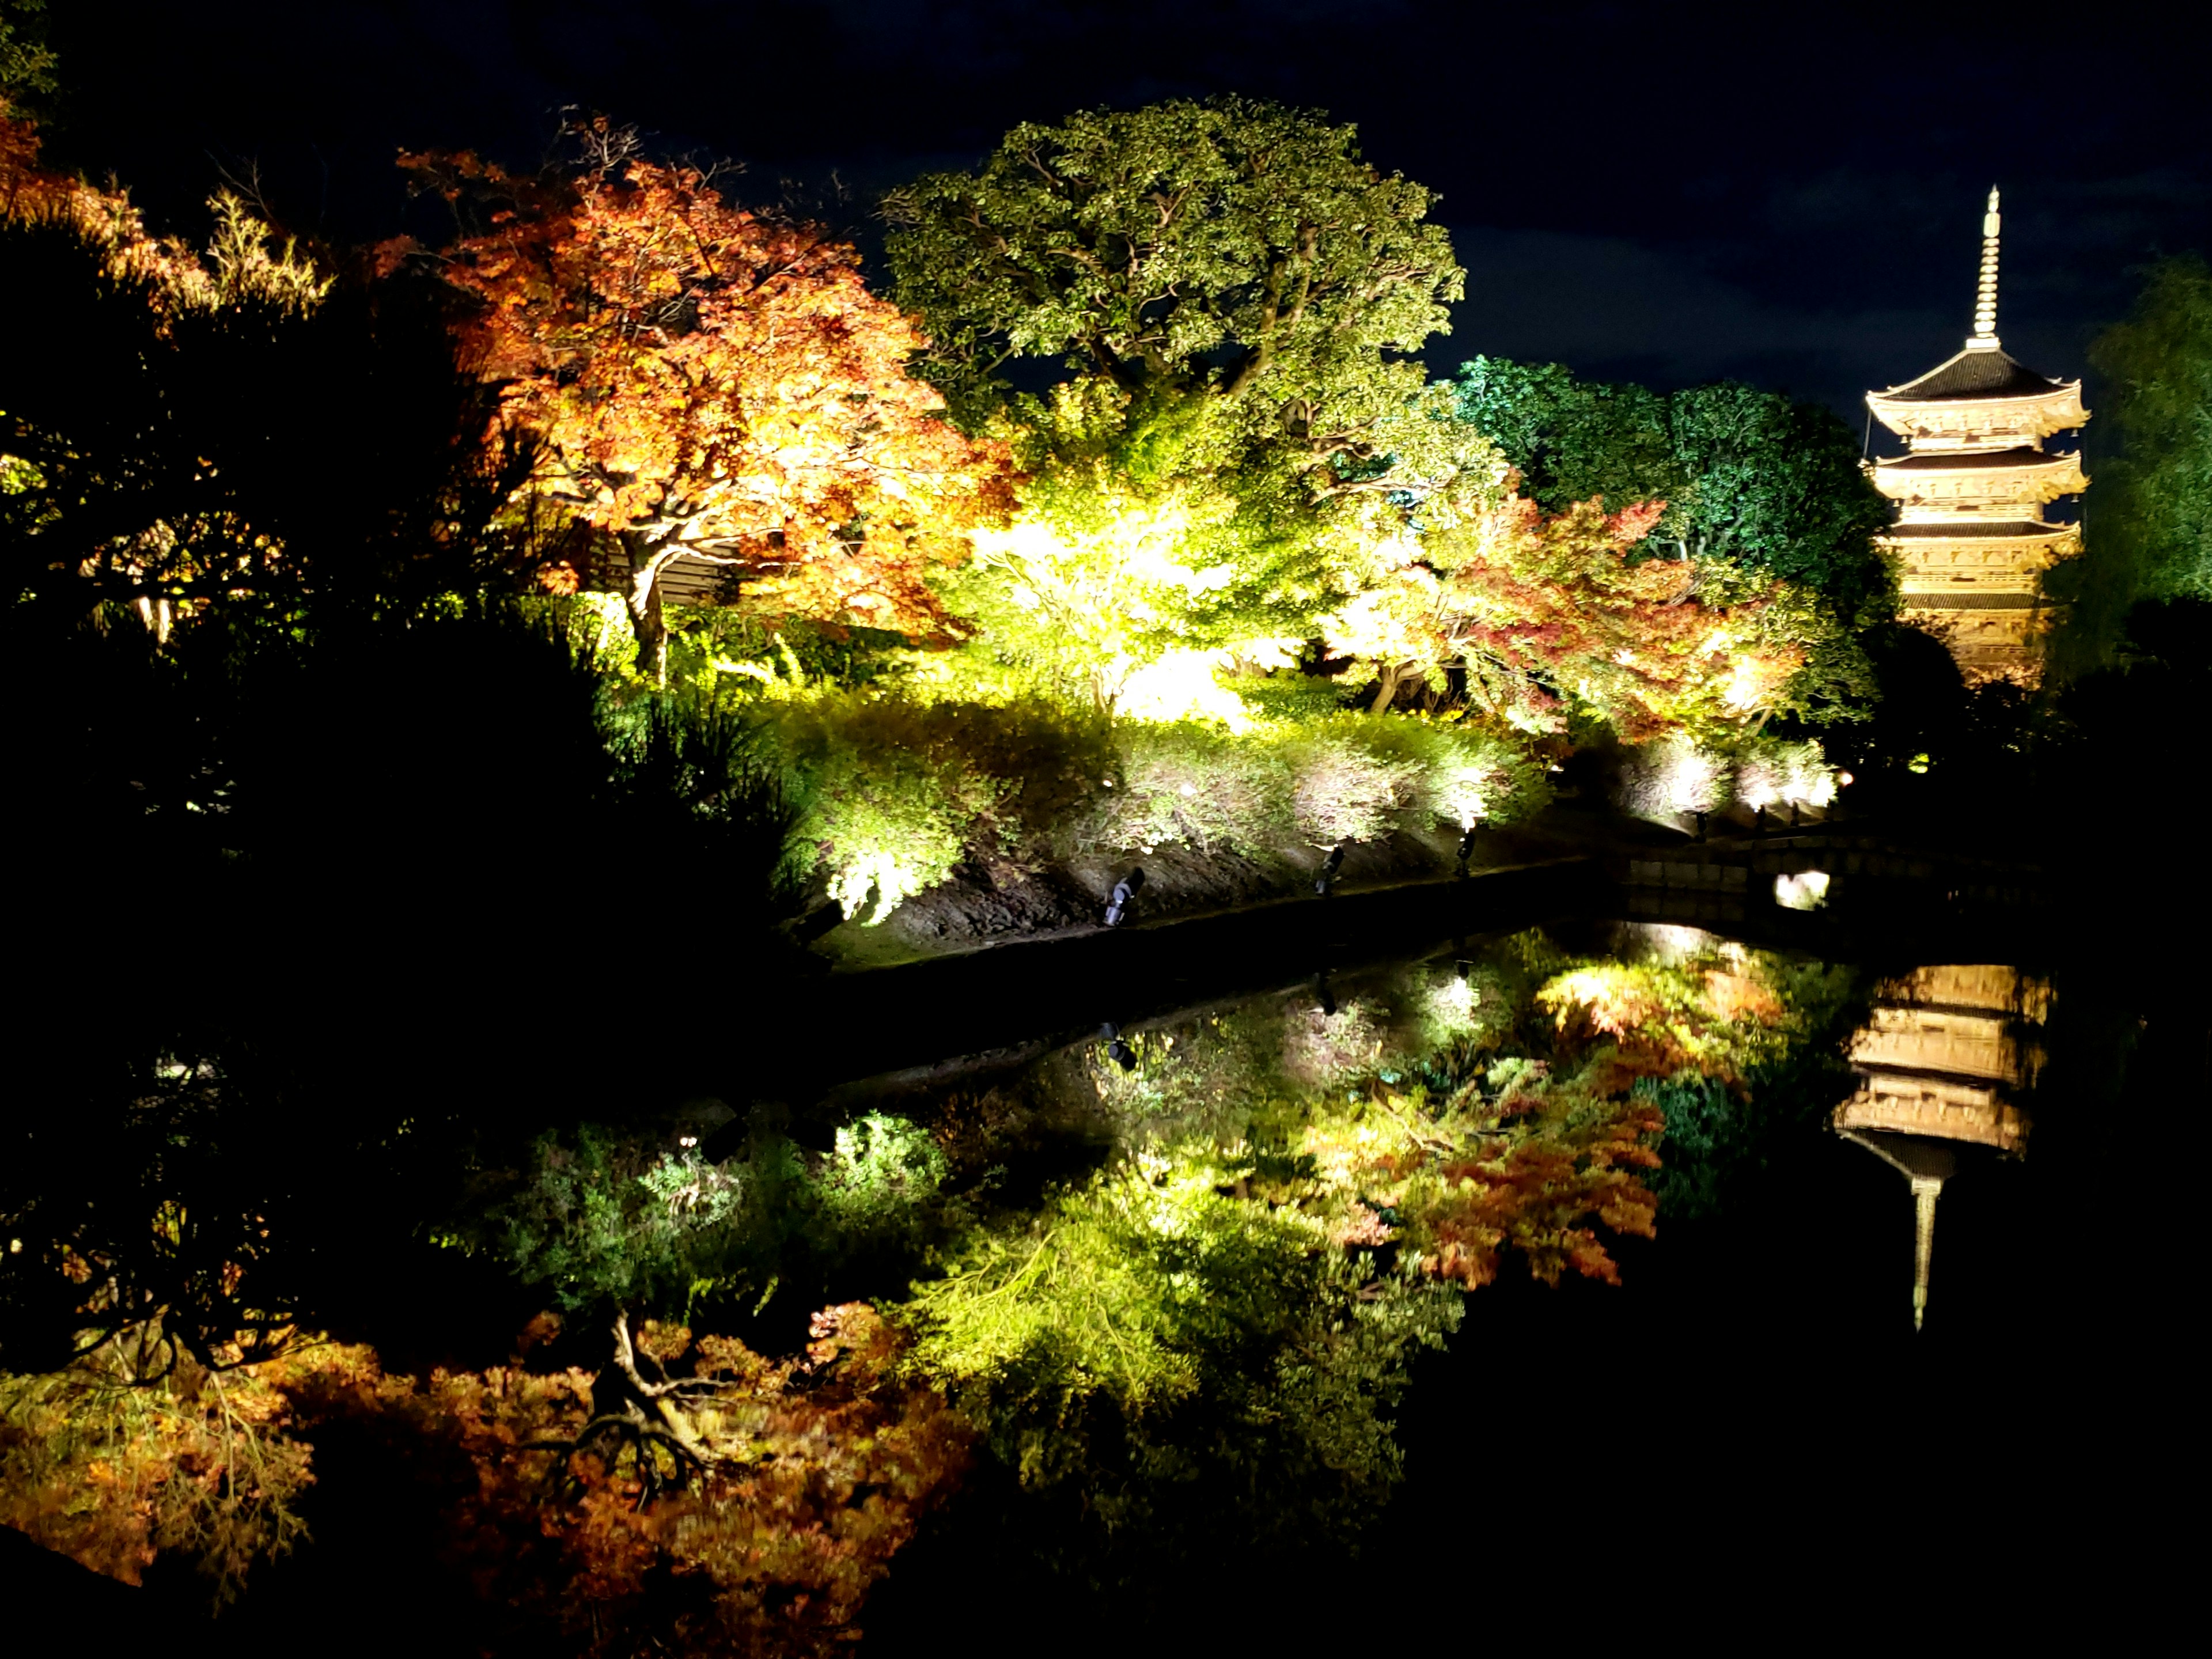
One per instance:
(1755, 486)
(177, 429)
(707, 380)
(1235, 294)
(2149, 524)
(1542, 611)
(1749, 477)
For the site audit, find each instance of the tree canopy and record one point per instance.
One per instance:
(708, 380)
(1748, 477)
(1230, 244)
(2149, 520)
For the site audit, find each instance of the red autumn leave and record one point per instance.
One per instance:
(1542, 607)
(714, 381)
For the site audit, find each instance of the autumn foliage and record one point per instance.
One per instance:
(709, 380)
(1542, 609)
(821, 1466)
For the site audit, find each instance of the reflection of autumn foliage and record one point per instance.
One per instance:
(819, 1470)
(1661, 1018)
(713, 381)
(1537, 1196)
(113, 1473)
(1526, 1172)
(1533, 1155)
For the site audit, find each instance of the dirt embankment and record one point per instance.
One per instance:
(988, 902)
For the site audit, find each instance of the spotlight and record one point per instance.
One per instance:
(1329, 866)
(1466, 849)
(1124, 901)
(1324, 995)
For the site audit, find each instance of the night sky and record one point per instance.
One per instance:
(1786, 193)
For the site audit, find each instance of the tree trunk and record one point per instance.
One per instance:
(651, 1396)
(642, 598)
(1386, 692)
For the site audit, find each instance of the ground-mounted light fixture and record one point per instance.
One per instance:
(1123, 900)
(1329, 866)
(1117, 1050)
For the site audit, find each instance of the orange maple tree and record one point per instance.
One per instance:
(707, 380)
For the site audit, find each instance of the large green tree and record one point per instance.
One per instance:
(1750, 478)
(2149, 512)
(1231, 293)
(1232, 246)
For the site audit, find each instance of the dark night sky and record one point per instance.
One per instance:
(1788, 193)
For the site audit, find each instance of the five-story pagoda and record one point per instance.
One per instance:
(1970, 539)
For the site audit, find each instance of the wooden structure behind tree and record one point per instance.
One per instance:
(1971, 539)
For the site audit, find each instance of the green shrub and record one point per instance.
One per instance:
(895, 792)
(1196, 785)
(1364, 774)
(1344, 788)
(605, 1217)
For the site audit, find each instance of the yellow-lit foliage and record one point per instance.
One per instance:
(113, 1471)
(245, 260)
(819, 1470)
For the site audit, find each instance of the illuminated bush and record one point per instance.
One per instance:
(1197, 786)
(1455, 773)
(1342, 789)
(1770, 773)
(896, 793)
(1666, 779)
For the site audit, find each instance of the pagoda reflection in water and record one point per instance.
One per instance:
(1940, 1063)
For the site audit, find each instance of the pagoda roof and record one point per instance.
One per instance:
(2020, 456)
(1974, 375)
(1963, 528)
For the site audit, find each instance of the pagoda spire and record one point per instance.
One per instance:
(1984, 336)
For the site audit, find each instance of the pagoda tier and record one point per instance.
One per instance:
(1940, 1063)
(1971, 542)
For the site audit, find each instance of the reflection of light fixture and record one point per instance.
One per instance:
(687, 1140)
(1807, 890)
(1842, 780)
(1117, 1050)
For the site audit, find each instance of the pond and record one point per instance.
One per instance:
(1832, 1293)
(1348, 1280)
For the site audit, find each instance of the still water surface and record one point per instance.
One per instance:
(1855, 1307)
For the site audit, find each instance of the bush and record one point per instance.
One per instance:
(1771, 771)
(1663, 780)
(895, 792)
(1342, 788)
(1196, 785)
(604, 1218)
(1455, 773)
